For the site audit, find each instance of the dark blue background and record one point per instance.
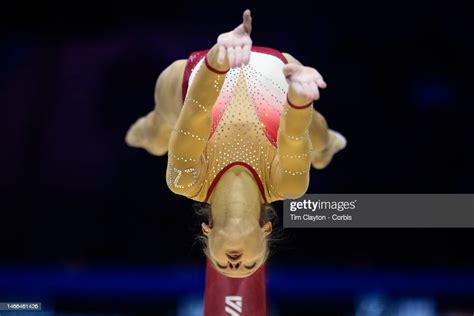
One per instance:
(74, 77)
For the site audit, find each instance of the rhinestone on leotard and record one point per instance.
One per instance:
(249, 105)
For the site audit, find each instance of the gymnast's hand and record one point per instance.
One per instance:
(304, 83)
(236, 44)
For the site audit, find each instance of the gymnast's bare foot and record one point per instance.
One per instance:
(136, 135)
(337, 142)
(144, 134)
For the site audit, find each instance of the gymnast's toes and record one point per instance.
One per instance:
(338, 142)
(135, 136)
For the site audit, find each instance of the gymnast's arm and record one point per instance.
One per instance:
(290, 169)
(191, 131)
(186, 160)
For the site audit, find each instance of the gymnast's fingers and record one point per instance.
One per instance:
(221, 55)
(319, 80)
(231, 56)
(238, 56)
(321, 83)
(307, 93)
(247, 23)
(298, 88)
(314, 90)
(246, 53)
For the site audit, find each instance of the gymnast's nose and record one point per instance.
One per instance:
(233, 256)
(234, 265)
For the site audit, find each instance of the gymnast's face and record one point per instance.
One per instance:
(239, 249)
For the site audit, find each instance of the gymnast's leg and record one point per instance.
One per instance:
(325, 141)
(152, 132)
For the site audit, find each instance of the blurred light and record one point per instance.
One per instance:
(381, 305)
(190, 306)
(416, 307)
(285, 282)
(372, 305)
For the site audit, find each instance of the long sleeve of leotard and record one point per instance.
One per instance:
(186, 160)
(290, 169)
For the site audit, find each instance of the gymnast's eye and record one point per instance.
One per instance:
(250, 267)
(220, 266)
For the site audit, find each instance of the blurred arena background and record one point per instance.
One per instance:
(88, 225)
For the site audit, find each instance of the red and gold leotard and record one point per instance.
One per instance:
(244, 108)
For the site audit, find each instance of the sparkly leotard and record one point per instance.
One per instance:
(246, 115)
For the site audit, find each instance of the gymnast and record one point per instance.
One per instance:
(240, 130)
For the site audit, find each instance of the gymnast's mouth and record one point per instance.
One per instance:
(233, 256)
